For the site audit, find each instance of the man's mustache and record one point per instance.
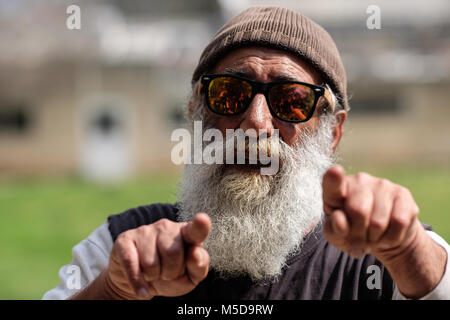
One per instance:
(259, 150)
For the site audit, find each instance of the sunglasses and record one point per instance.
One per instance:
(290, 101)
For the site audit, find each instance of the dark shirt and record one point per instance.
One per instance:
(317, 271)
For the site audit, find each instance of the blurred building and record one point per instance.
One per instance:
(104, 100)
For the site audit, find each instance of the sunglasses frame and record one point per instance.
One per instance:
(264, 88)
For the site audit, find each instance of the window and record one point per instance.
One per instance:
(14, 119)
(106, 122)
(176, 115)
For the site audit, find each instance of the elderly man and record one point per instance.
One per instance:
(306, 232)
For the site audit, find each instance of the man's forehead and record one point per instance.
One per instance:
(267, 64)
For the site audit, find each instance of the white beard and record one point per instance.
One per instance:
(259, 221)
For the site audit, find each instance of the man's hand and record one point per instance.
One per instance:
(161, 259)
(367, 214)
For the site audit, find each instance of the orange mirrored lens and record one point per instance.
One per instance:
(292, 101)
(229, 95)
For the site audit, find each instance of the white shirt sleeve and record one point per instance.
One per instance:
(442, 290)
(89, 258)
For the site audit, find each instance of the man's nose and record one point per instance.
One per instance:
(258, 116)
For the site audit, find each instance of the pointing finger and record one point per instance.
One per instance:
(196, 231)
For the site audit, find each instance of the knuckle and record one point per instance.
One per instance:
(127, 260)
(124, 237)
(144, 230)
(172, 251)
(122, 240)
(363, 177)
(400, 221)
(384, 184)
(149, 264)
(357, 210)
(377, 225)
(163, 224)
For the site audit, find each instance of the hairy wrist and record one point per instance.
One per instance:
(417, 265)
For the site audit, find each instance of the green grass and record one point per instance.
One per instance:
(42, 219)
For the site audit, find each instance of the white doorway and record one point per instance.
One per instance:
(105, 139)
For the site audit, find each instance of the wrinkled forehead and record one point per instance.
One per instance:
(267, 64)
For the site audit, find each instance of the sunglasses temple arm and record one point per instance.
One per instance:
(199, 88)
(330, 99)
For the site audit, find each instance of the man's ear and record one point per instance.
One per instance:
(338, 129)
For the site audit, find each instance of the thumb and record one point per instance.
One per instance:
(334, 187)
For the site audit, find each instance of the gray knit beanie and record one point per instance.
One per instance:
(283, 29)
